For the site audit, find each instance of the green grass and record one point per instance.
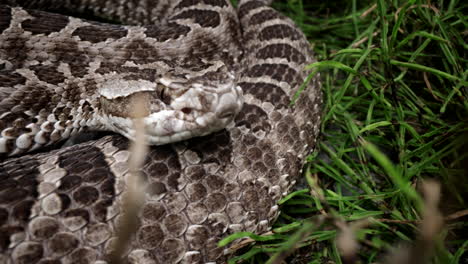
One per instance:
(394, 77)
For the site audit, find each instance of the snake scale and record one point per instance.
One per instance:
(216, 84)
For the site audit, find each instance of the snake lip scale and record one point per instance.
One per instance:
(215, 84)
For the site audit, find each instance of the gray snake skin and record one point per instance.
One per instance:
(215, 81)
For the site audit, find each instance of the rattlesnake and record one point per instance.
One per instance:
(231, 79)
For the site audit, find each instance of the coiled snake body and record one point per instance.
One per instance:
(215, 81)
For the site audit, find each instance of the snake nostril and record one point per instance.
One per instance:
(186, 110)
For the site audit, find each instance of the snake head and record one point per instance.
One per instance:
(176, 107)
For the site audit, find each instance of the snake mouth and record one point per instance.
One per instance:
(169, 126)
(172, 129)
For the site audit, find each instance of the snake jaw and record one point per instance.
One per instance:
(199, 111)
(196, 109)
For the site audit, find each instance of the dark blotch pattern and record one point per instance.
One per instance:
(187, 3)
(10, 79)
(171, 31)
(281, 51)
(100, 209)
(22, 210)
(18, 191)
(15, 50)
(213, 148)
(245, 9)
(101, 32)
(3, 216)
(264, 16)
(48, 73)
(279, 72)
(86, 195)
(267, 92)
(69, 52)
(207, 48)
(140, 52)
(162, 169)
(120, 142)
(44, 23)
(280, 31)
(205, 18)
(72, 214)
(254, 118)
(89, 181)
(31, 98)
(5, 18)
